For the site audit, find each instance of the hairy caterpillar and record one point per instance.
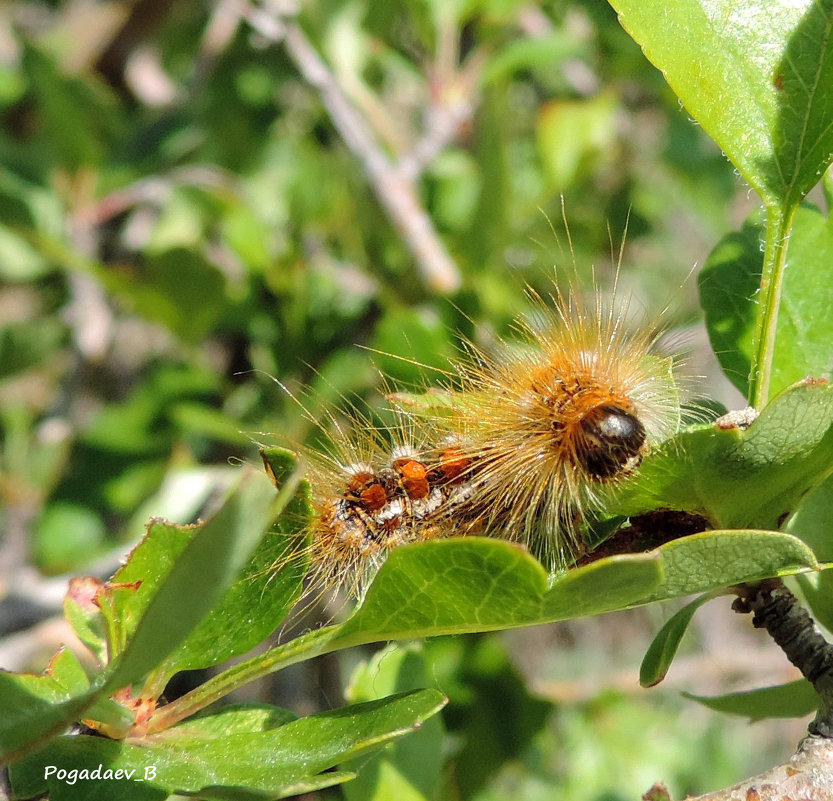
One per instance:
(547, 424)
(374, 489)
(526, 439)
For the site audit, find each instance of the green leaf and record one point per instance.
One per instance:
(813, 521)
(544, 52)
(37, 707)
(817, 589)
(25, 344)
(750, 479)
(308, 787)
(139, 425)
(409, 769)
(281, 761)
(77, 118)
(67, 535)
(179, 288)
(85, 616)
(146, 568)
(716, 559)
(434, 401)
(235, 719)
(247, 234)
(262, 594)
(755, 78)
(475, 584)
(419, 339)
(198, 418)
(197, 580)
(792, 700)
(728, 285)
(280, 464)
(19, 261)
(63, 677)
(575, 134)
(663, 649)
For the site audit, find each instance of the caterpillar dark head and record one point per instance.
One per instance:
(611, 442)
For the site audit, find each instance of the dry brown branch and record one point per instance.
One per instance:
(778, 611)
(807, 776)
(395, 191)
(444, 118)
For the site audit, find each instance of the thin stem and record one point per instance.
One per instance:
(779, 223)
(827, 188)
(315, 643)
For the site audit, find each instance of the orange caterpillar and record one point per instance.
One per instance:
(544, 426)
(374, 490)
(520, 451)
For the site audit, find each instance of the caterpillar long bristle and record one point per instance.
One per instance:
(372, 491)
(519, 448)
(544, 425)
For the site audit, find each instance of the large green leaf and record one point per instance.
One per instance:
(755, 76)
(791, 700)
(258, 595)
(739, 479)
(197, 580)
(473, 584)
(261, 595)
(274, 758)
(408, 769)
(728, 286)
(146, 568)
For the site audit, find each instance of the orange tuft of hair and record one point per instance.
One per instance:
(542, 426)
(520, 450)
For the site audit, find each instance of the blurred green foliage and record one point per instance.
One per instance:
(181, 222)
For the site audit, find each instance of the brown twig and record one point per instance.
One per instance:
(223, 23)
(778, 611)
(154, 190)
(444, 118)
(806, 776)
(395, 191)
